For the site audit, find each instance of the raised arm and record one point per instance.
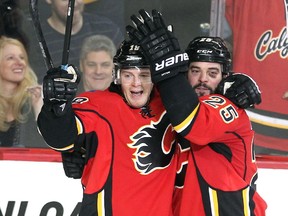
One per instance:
(56, 120)
(168, 64)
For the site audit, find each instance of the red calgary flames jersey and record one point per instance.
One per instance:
(260, 50)
(131, 164)
(221, 172)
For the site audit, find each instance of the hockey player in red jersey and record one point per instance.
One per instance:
(124, 133)
(130, 165)
(221, 172)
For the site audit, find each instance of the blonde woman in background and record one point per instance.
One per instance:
(96, 63)
(20, 97)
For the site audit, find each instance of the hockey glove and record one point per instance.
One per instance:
(59, 88)
(241, 89)
(73, 164)
(159, 45)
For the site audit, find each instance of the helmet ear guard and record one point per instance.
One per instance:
(210, 49)
(128, 55)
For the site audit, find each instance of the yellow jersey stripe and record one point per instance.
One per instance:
(100, 204)
(179, 128)
(214, 202)
(245, 195)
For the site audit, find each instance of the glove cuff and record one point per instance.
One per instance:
(59, 109)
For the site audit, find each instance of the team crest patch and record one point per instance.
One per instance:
(154, 146)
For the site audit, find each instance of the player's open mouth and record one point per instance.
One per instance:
(136, 93)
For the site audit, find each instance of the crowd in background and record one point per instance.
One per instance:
(94, 18)
(94, 39)
(98, 29)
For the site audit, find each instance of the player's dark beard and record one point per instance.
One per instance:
(203, 85)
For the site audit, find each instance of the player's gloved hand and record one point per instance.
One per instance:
(73, 164)
(158, 44)
(59, 88)
(241, 89)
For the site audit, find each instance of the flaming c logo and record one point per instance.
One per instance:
(154, 146)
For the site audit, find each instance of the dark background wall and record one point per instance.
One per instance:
(184, 15)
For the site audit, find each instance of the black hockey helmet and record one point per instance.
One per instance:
(128, 55)
(210, 49)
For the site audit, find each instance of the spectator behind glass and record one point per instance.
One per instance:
(20, 97)
(113, 9)
(96, 63)
(11, 18)
(84, 25)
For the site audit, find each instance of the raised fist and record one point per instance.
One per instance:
(60, 87)
(158, 44)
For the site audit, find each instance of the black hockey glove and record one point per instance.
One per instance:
(73, 164)
(241, 89)
(59, 88)
(159, 45)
